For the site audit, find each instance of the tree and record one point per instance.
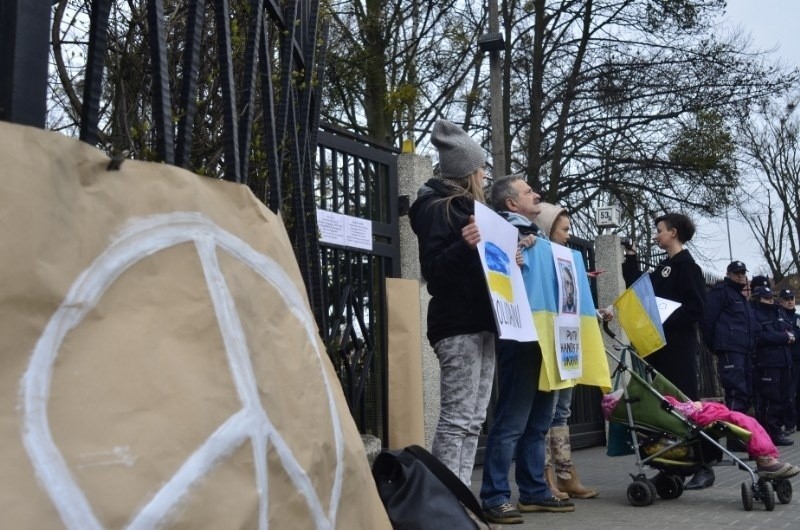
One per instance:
(614, 98)
(770, 143)
(604, 100)
(395, 66)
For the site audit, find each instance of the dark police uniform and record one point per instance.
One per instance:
(772, 362)
(729, 331)
(793, 405)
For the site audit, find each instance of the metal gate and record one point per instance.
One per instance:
(258, 65)
(358, 178)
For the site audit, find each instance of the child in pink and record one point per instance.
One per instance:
(760, 446)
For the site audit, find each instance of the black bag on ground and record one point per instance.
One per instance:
(421, 493)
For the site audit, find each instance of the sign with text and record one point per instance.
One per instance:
(344, 230)
(567, 322)
(498, 250)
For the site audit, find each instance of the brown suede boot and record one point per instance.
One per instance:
(550, 478)
(567, 479)
(573, 487)
(550, 472)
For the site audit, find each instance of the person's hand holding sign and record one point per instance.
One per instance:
(526, 242)
(470, 233)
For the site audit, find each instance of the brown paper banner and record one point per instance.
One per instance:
(406, 414)
(160, 366)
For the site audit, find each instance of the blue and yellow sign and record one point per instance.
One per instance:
(499, 271)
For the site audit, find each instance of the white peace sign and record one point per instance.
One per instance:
(141, 238)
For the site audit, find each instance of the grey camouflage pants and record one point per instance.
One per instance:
(467, 372)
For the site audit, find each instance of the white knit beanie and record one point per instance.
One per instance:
(459, 155)
(548, 216)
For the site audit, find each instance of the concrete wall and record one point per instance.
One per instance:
(412, 172)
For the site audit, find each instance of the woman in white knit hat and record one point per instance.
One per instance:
(461, 326)
(560, 472)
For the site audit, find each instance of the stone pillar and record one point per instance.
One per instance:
(609, 255)
(412, 172)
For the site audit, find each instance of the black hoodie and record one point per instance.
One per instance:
(460, 302)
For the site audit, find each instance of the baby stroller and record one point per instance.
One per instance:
(664, 439)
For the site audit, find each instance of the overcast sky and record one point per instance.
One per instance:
(773, 25)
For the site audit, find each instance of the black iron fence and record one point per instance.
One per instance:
(229, 89)
(358, 178)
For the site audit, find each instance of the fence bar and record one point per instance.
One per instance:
(256, 26)
(93, 86)
(162, 100)
(24, 28)
(191, 63)
(222, 21)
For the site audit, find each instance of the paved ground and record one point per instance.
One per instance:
(716, 507)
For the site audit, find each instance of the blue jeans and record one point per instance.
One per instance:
(563, 399)
(522, 418)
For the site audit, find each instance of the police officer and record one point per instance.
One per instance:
(729, 331)
(772, 362)
(787, 301)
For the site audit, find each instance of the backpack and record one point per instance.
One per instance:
(421, 493)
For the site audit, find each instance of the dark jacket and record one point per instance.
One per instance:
(794, 320)
(729, 325)
(679, 279)
(460, 302)
(772, 349)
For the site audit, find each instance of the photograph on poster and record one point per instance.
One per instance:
(568, 303)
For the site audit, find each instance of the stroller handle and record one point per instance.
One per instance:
(607, 329)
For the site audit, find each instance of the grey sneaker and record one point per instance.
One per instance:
(777, 470)
(553, 504)
(503, 514)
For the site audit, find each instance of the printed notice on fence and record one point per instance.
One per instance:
(344, 230)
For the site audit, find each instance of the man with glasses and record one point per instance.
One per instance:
(729, 331)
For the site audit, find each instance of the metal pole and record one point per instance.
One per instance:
(24, 41)
(728, 230)
(496, 98)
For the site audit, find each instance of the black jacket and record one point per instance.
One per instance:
(772, 349)
(729, 325)
(794, 320)
(460, 302)
(679, 279)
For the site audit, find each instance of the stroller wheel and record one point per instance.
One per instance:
(668, 486)
(767, 495)
(747, 497)
(783, 490)
(641, 493)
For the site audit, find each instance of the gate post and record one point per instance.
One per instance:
(608, 256)
(412, 172)
(24, 41)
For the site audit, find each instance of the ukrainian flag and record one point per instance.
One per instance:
(638, 315)
(541, 285)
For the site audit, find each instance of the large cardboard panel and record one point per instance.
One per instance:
(160, 366)
(406, 411)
